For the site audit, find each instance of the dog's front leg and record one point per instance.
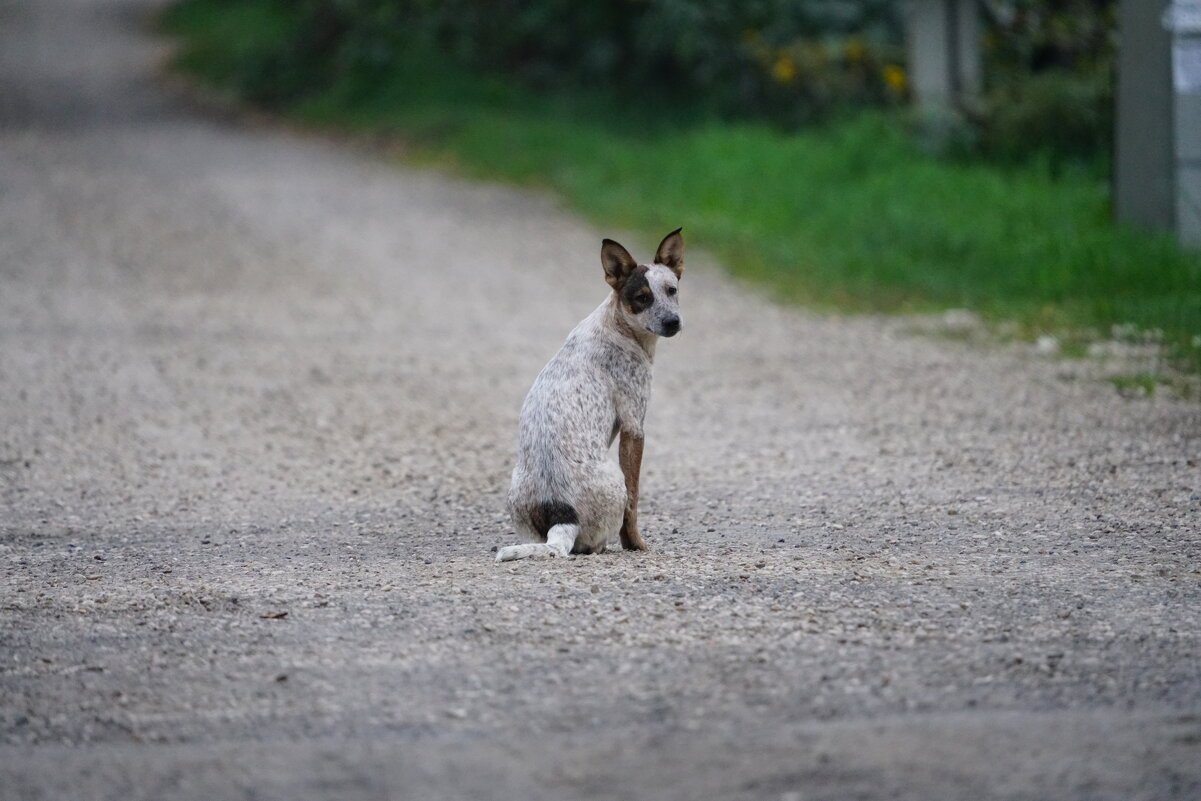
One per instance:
(629, 454)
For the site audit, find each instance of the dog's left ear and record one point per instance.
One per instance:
(671, 252)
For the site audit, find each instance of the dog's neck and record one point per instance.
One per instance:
(620, 323)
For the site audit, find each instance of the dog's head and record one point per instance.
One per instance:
(648, 294)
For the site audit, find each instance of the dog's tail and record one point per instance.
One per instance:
(559, 542)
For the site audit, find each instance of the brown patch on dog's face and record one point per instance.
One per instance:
(635, 292)
(647, 294)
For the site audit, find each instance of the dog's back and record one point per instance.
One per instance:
(568, 422)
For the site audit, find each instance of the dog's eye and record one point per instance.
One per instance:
(671, 290)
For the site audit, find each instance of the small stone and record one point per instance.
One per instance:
(960, 320)
(1046, 345)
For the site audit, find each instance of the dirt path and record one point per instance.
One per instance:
(257, 403)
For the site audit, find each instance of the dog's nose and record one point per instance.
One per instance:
(671, 326)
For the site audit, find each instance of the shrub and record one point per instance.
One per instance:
(787, 59)
(1058, 115)
(1049, 68)
(1048, 62)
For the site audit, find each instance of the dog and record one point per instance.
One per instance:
(567, 497)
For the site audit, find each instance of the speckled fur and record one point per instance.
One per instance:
(597, 386)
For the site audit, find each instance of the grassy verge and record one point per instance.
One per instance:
(852, 216)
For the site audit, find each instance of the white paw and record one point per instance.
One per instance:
(509, 553)
(531, 550)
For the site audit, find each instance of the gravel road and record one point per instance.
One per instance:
(258, 398)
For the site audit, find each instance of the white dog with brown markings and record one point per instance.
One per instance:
(567, 496)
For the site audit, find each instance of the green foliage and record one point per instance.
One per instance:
(1049, 67)
(788, 59)
(247, 47)
(1139, 385)
(850, 215)
(1062, 117)
(1031, 36)
(1048, 62)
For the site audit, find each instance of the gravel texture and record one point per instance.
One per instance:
(258, 398)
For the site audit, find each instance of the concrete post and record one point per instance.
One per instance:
(1144, 186)
(1184, 20)
(943, 39)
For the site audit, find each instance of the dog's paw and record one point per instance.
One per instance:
(633, 542)
(511, 552)
(531, 550)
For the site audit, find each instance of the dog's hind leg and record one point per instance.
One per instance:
(601, 517)
(559, 542)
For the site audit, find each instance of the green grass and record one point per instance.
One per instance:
(221, 39)
(1144, 385)
(850, 216)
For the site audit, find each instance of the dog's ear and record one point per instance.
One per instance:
(671, 252)
(618, 263)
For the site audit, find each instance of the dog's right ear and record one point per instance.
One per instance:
(671, 252)
(618, 263)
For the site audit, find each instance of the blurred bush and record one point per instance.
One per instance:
(1057, 116)
(1049, 75)
(1048, 63)
(791, 60)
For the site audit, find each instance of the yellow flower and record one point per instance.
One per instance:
(895, 78)
(784, 70)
